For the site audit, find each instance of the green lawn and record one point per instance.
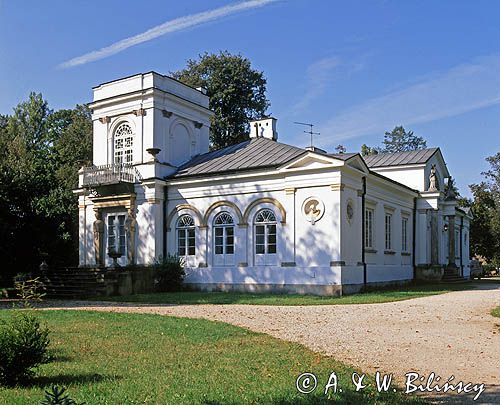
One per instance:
(106, 358)
(496, 312)
(388, 295)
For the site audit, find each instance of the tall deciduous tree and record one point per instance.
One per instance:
(237, 94)
(39, 151)
(485, 209)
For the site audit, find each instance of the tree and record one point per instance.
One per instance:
(485, 209)
(341, 149)
(237, 94)
(39, 151)
(368, 150)
(398, 140)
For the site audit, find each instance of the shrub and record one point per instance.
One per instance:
(23, 347)
(57, 397)
(170, 273)
(30, 290)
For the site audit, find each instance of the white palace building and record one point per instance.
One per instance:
(260, 215)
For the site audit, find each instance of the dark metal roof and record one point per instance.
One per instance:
(400, 158)
(252, 154)
(342, 156)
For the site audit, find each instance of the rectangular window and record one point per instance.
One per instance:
(229, 240)
(116, 233)
(369, 213)
(260, 248)
(388, 231)
(404, 235)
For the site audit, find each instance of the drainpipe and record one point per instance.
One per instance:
(363, 193)
(461, 246)
(413, 241)
(165, 194)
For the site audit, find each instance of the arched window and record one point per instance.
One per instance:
(123, 143)
(186, 238)
(265, 232)
(223, 239)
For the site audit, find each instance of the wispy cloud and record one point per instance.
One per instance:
(463, 88)
(177, 24)
(318, 77)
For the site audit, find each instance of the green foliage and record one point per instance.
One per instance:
(237, 94)
(29, 290)
(57, 396)
(397, 140)
(170, 273)
(23, 346)
(39, 155)
(485, 209)
(368, 150)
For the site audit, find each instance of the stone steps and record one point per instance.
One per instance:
(76, 282)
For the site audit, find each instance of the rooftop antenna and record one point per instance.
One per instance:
(310, 132)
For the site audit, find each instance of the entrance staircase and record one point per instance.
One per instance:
(452, 276)
(77, 282)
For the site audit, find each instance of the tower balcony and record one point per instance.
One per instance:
(111, 174)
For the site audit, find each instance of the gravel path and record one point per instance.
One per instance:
(449, 334)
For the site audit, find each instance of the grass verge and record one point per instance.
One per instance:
(386, 295)
(109, 358)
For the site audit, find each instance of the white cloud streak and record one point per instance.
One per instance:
(463, 88)
(175, 25)
(319, 76)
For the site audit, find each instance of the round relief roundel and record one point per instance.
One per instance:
(313, 209)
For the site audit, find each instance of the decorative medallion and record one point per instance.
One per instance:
(350, 210)
(313, 209)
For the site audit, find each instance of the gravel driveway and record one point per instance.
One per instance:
(449, 334)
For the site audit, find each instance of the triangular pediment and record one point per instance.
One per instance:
(358, 163)
(312, 161)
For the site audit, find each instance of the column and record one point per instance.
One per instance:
(451, 241)
(434, 239)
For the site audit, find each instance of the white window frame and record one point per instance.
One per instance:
(123, 144)
(267, 225)
(369, 226)
(223, 239)
(404, 234)
(388, 231)
(116, 233)
(185, 230)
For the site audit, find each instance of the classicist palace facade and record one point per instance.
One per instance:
(260, 215)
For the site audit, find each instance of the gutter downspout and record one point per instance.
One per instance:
(461, 246)
(414, 233)
(363, 193)
(165, 202)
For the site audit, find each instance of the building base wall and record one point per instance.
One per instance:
(429, 272)
(309, 289)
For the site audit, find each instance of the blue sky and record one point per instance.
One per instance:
(353, 68)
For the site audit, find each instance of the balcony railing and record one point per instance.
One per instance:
(109, 174)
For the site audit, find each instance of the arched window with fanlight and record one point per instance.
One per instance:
(186, 236)
(223, 239)
(265, 237)
(123, 144)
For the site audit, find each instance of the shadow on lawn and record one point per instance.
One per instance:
(349, 397)
(68, 379)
